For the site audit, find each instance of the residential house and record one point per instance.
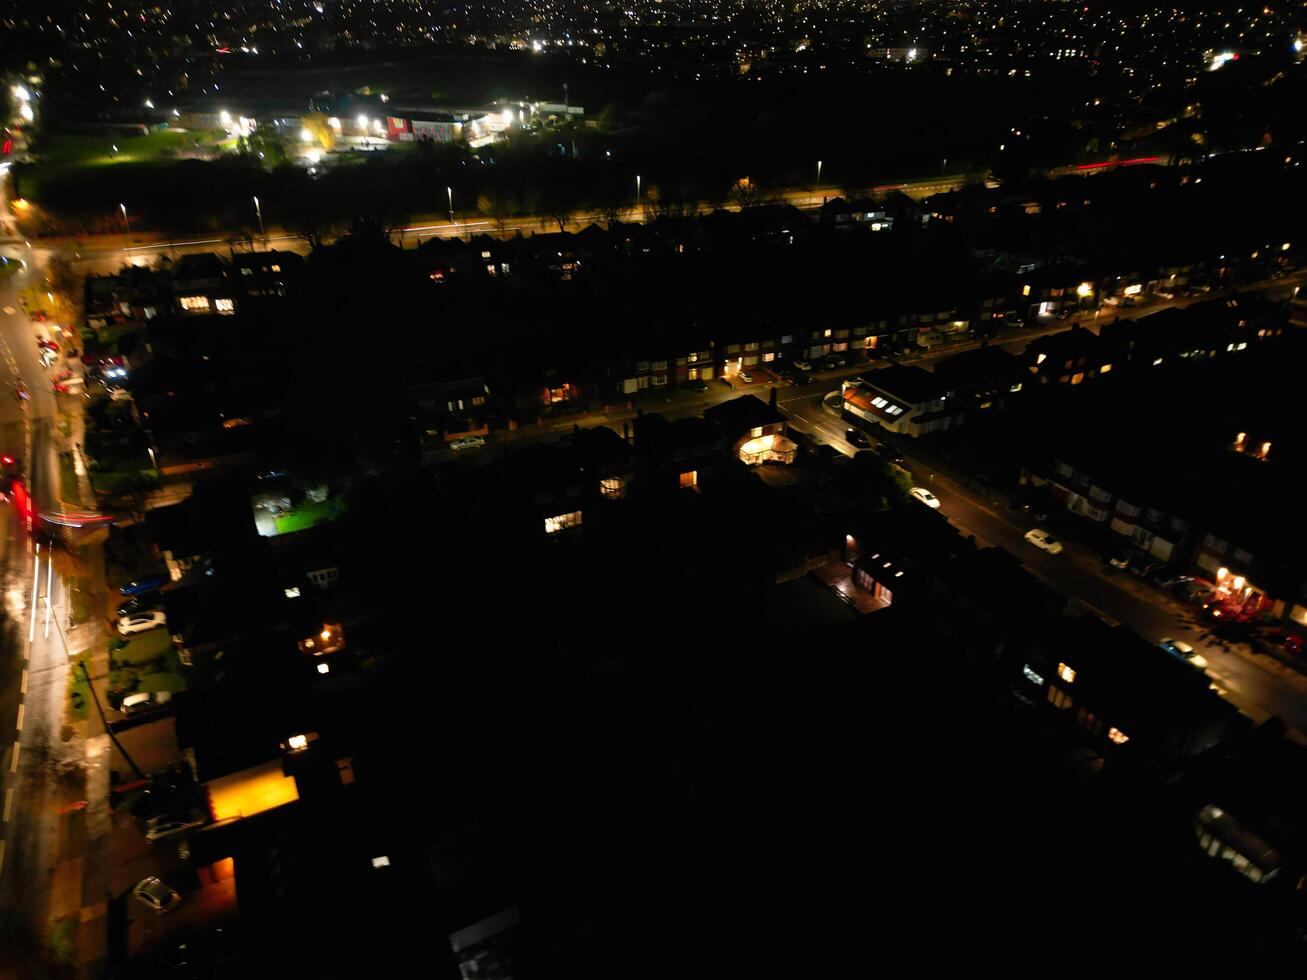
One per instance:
(906, 400)
(754, 431)
(201, 284)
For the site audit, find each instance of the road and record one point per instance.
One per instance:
(41, 762)
(104, 254)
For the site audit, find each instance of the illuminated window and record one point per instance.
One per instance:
(381, 862)
(195, 304)
(1104, 369)
(275, 268)
(613, 488)
(562, 522)
(293, 592)
(1058, 698)
(690, 478)
(225, 306)
(1118, 736)
(298, 743)
(1025, 290)
(1066, 673)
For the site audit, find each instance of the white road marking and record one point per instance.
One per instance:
(13, 763)
(22, 683)
(9, 803)
(22, 710)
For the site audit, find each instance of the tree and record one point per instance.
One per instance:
(497, 205)
(745, 193)
(319, 129)
(267, 145)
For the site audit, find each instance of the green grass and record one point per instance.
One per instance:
(148, 662)
(115, 482)
(307, 514)
(63, 939)
(79, 691)
(81, 598)
(68, 479)
(95, 150)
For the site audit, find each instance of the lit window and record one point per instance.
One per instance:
(275, 268)
(324, 668)
(1118, 736)
(1066, 673)
(225, 306)
(1025, 290)
(381, 862)
(613, 488)
(1031, 675)
(298, 743)
(562, 522)
(1104, 369)
(690, 478)
(195, 303)
(293, 592)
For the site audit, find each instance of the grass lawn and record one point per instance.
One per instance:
(147, 663)
(121, 481)
(97, 150)
(79, 691)
(68, 479)
(307, 514)
(82, 609)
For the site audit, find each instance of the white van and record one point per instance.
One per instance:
(134, 704)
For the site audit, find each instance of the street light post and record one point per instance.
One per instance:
(818, 174)
(637, 191)
(450, 191)
(259, 211)
(123, 208)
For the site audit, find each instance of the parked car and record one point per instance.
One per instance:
(135, 704)
(142, 586)
(1120, 559)
(858, 438)
(890, 454)
(135, 605)
(925, 496)
(1167, 578)
(1197, 591)
(153, 892)
(1147, 566)
(745, 377)
(698, 385)
(1295, 644)
(173, 824)
(836, 361)
(1183, 651)
(795, 377)
(466, 442)
(803, 365)
(1044, 541)
(141, 622)
(1013, 321)
(162, 796)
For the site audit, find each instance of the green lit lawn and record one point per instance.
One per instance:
(147, 663)
(97, 150)
(307, 514)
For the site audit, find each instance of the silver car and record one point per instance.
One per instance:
(158, 896)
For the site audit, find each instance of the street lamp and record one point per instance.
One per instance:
(637, 190)
(123, 208)
(819, 173)
(450, 191)
(259, 211)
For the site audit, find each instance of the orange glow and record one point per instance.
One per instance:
(251, 791)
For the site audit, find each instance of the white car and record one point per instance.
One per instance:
(1183, 651)
(745, 378)
(1044, 541)
(467, 442)
(142, 621)
(803, 365)
(925, 496)
(158, 896)
(177, 823)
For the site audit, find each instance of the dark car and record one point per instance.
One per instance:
(140, 603)
(1147, 566)
(795, 377)
(698, 386)
(858, 438)
(836, 361)
(889, 453)
(142, 586)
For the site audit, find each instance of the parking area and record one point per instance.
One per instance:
(208, 895)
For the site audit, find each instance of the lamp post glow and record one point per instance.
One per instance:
(450, 192)
(819, 173)
(123, 208)
(259, 211)
(637, 190)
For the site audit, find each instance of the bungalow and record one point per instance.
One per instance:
(200, 285)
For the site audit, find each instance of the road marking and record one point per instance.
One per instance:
(13, 764)
(9, 803)
(22, 709)
(22, 683)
